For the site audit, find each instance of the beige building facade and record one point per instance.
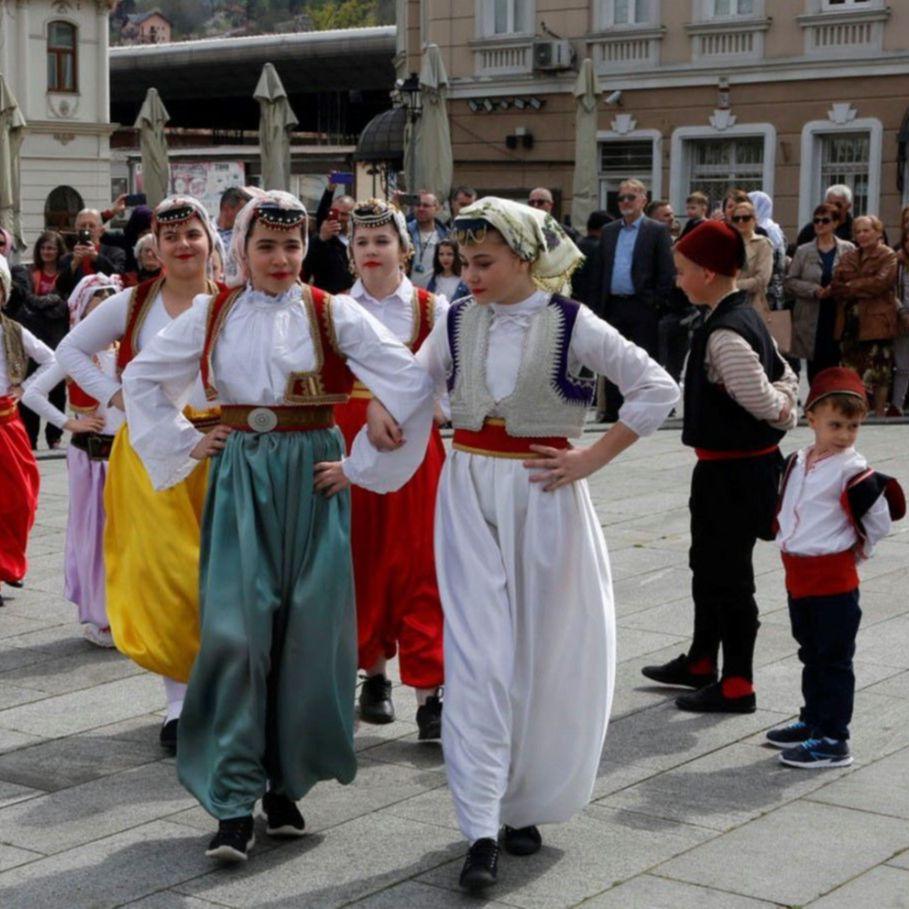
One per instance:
(787, 96)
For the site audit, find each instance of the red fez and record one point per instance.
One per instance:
(836, 380)
(714, 245)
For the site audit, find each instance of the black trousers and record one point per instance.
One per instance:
(826, 349)
(638, 322)
(732, 505)
(672, 345)
(825, 628)
(33, 422)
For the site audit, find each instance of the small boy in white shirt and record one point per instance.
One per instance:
(833, 509)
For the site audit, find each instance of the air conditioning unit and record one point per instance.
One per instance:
(552, 55)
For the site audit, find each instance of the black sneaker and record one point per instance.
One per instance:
(429, 719)
(375, 701)
(787, 736)
(712, 700)
(521, 840)
(481, 865)
(168, 737)
(817, 754)
(233, 840)
(676, 672)
(284, 818)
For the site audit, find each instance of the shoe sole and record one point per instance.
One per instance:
(229, 854)
(695, 686)
(375, 720)
(785, 744)
(286, 832)
(817, 765)
(692, 709)
(431, 736)
(475, 886)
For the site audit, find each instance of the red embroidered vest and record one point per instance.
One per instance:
(329, 383)
(424, 317)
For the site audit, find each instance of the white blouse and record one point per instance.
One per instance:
(35, 349)
(648, 389)
(263, 340)
(812, 520)
(102, 327)
(39, 386)
(395, 312)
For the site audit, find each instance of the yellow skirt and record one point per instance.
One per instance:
(151, 558)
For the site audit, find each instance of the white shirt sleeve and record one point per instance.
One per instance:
(648, 390)
(36, 391)
(156, 386)
(388, 369)
(36, 349)
(96, 332)
(877, 525)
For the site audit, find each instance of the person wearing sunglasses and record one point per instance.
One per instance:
(541, 198)
(754, 278)
(808, 280)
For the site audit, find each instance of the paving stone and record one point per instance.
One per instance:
(901, 860)
(10, 793)
(871, 788)
(633, 643)
(882, 888)
(13, 625)
(407, 751)
(649, 892)
(11, 857)
(87, 667)
(896, 686)
(790, 854)
(12, 740)
(62, 820)
(582, 858)
(12, 657)
(13, 695)
(167, 899)
(413, 895)
(109, 872)
(887, 641)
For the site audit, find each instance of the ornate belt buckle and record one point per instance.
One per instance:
(261, 419)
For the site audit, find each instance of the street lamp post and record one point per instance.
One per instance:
(411, 99)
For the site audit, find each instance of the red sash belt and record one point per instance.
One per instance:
(819, 576)
(492, 440)
(8, 409)
(708, 454)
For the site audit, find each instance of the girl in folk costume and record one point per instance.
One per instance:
(398, 604)
(19, 478)
(527, 631)
(151, 540)
(269, 711)
(93, 428)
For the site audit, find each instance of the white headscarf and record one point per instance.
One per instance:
(86, 289)
(246, 218)
(174, 204)
(374, 213)
(763, 211)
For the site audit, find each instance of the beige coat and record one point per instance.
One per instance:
(802, 280)
(755, 277)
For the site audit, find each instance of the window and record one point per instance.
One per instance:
(61, 208)
(625, 12)
(505, 17)
(61, 57)
(725, 9)
(716, 165)
(845, 159)
(846, 4)
(624, 159)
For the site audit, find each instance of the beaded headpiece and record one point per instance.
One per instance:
(274, 216)
(375, 213)
(176, 210)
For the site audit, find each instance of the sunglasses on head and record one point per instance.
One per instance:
(823, 220)
(742, 219)
(627, 197)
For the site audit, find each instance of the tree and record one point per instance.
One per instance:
(344, 14)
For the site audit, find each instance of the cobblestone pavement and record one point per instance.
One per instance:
(689, 810)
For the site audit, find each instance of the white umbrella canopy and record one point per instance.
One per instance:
(155, 167)
(434, 165)
(12, 124)
(276, 122)
(585, 185)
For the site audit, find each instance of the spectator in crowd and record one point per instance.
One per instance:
(808, 281)
(41, 310)
(87, 256)
(901, 342)
(839, 195)
(867, 319)
(763, 216)
(139, 224)
(327, 262)
(146, 255)
(541, 198)
(232, 200)
(582, 287)
(754, 278)
(446, 271)
(660, 210)
(426, 230)
(697, 205)
(463, 195)
(636, 277)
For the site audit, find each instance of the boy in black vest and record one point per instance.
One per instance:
(740, 399)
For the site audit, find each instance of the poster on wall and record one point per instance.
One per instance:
(206, 180)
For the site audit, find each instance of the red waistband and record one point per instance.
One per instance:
(9, 409)
(818, 576)
(708, 454)
(493, 440)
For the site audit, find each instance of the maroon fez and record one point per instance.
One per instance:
(714, 245)
(836, 380)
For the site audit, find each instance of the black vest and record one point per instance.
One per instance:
(713, 420)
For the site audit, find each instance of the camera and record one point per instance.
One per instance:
(84, 236)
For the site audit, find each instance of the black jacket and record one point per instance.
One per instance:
(327, 264)
(45, 316)
(68, 279)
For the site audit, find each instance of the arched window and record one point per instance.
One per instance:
(61, 208)
(62, 75)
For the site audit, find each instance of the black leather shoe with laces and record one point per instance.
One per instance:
(712, 700)
(676, 672)
(375, 701)
(168, 737)
(521, 840)
(481, 865)
(233, 840)
(284, 818)
(429, 719)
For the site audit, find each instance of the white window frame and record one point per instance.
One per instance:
(656, 164)
(809, 175)
(705, 11)
(679, 163)
(849, 4)
(605, 15)
(824, 6)
(485, 14)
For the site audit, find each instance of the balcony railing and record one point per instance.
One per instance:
(731, 41)
(503, 58)
(625, 50)
(841, 33)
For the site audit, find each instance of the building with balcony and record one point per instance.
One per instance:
(787, 96)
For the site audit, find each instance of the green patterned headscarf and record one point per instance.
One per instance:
(534, 235)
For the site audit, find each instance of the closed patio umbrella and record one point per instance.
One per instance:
(434, 164)
(276, 122)
(12, 124)
(585, 185)
(155, 167)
